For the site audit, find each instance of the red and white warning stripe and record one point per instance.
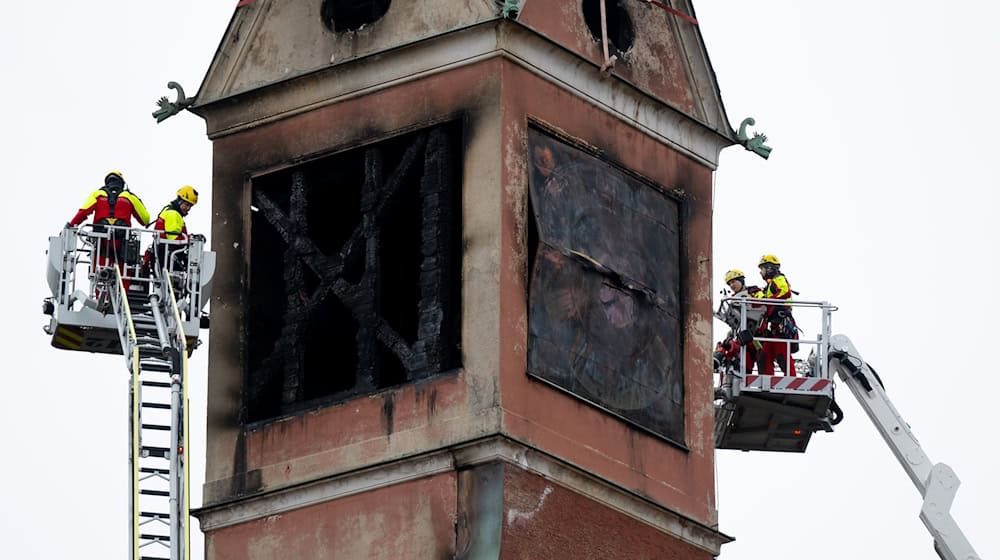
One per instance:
(787, 383)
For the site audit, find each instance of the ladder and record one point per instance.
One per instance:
(155, 351)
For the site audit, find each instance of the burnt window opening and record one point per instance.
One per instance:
(351, 15)
(604, 293)
(355, 273)
(621, 33)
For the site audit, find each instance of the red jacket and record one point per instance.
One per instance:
(125, 206)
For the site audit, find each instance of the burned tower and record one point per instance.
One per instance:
(463, 300)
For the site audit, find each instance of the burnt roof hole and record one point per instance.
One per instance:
(351, 15)
(621, 33)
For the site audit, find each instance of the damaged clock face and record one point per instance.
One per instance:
(604, 293)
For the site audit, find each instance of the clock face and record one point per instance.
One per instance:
(604, 307)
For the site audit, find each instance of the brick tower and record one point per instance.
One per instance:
(463, 299)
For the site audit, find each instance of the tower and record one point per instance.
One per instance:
(463, 295)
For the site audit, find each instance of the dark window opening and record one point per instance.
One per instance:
(604, 293)
(351, 15)
(621, 33)
(355, 273)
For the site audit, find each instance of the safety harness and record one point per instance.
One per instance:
(112, 197)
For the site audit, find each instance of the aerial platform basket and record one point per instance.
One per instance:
(79, 263)
(756, 412)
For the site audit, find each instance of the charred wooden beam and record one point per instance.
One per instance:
(311, 278)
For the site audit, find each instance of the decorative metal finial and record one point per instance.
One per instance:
(756, 143)
(168, 109)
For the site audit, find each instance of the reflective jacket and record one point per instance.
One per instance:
(109, 209)
(171, 223)
(777, 288)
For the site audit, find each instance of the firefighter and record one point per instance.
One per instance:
(727, 351)
(112, 205)
(736, 281)
(777, 322)
(170, 222)
(171, 218)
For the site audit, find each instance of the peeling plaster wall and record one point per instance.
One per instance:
(272, 40)
(655, 63)
(545, 520)
(398, 422)
(680, 479)
(409, 520)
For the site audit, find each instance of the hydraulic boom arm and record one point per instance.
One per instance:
(936, 483)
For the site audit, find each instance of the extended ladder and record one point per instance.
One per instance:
(155, 351)
(104, 300)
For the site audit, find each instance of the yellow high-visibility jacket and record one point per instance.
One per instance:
(777, 288)
(171, 223)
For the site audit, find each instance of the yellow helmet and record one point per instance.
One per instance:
(114, 173)
(188, 194)
(734, 274)
(769, 259)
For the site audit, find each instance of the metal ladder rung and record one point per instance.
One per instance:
(154, 515)
(162, 384)
(159, 427)
(156, 451)
(149, 537)
(153, 470)
(163, 493)
(145, 364)
(160, 406)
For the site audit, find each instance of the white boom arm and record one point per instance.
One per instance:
(936, 483)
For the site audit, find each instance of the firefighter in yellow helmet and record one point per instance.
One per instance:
(728, 351)
(778, 321)
(112, 205)
(737, 282)
(170, 221)
(171, 218)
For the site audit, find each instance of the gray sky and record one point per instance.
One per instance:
(879, 197)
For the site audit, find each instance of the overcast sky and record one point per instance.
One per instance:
(879, 197)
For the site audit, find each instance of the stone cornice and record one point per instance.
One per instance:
(488, 450)
(463, 47)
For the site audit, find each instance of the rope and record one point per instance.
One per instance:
(662, 6)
